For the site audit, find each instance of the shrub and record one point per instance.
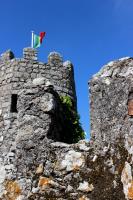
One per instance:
(72, 131)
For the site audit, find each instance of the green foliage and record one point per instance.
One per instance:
(73, 131)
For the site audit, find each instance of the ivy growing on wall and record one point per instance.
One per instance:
(73, 131)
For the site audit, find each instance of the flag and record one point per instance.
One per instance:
(42, 35)
(37, 40)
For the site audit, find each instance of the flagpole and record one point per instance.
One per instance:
(32, 39)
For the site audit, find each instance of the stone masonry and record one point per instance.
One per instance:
(35, 164)
(111, 102)
(16, 73)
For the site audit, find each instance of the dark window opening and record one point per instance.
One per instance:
(14, 99)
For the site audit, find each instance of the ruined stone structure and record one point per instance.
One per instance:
(34, 162)
(112, 102)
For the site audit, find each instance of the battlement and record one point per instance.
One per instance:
(16, 72)
(30, 54)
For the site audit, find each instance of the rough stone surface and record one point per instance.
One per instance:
(45, 170)
(34, 163)
(111, 97)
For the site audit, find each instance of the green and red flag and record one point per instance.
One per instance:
(37, 39)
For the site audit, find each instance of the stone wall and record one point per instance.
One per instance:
(111, 107)
(40, 110)
(40, 169)
(35, 167)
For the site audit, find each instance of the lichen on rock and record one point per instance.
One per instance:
(73, 161)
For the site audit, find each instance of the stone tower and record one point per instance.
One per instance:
(111, 102)
(16, 75)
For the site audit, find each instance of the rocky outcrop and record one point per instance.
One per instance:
(111, 97)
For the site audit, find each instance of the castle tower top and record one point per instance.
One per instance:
(55, 58)
(8, 55)
(15, 73)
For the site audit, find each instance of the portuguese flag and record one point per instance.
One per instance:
(37, 39)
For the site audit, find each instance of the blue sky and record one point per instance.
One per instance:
(89, 33)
